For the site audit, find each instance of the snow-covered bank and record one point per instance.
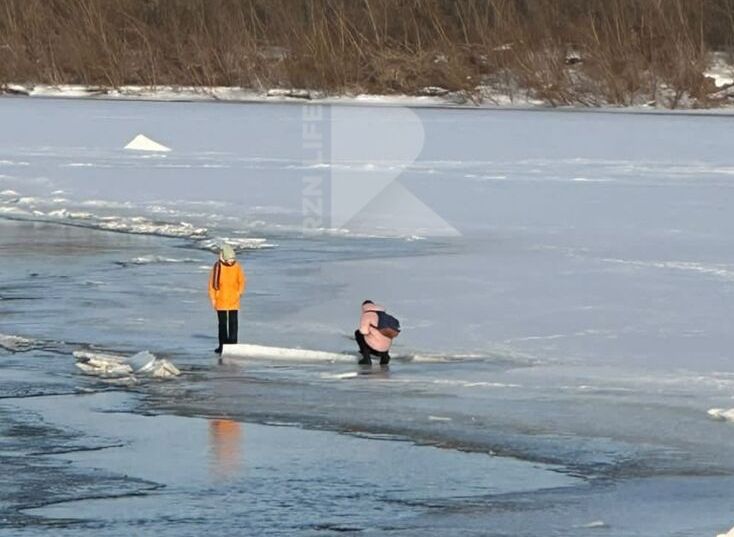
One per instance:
(430, 97)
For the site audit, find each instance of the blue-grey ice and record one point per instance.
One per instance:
(564, 280)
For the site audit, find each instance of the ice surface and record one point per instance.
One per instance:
(582, 316)
(621, 267)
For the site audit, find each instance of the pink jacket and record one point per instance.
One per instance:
(367, 325)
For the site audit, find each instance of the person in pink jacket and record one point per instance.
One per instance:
(369, 338)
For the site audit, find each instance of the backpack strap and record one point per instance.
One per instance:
(376, 313)
(216, 275)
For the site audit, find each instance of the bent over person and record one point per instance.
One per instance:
(375, 333)
(227, 283)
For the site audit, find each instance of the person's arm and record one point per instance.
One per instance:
(366, 322)
(212, 291)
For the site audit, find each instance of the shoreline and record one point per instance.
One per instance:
(236, 95)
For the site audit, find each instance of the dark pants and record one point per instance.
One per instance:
(365, 350)
(227, 327)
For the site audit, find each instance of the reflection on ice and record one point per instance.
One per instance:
(225, 443)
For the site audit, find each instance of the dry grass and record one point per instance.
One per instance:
(629, 50)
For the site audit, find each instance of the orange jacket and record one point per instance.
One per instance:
(226, 286)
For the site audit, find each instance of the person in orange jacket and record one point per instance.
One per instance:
(227, 283)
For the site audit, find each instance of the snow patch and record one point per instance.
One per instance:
(15, 89)
(730, 533)
(143, 143)
(720, 70)
(290, 93)
(493, 92)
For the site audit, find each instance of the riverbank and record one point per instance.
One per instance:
(560, 53)
(434, 97)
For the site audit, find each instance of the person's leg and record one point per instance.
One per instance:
(233, 327)
(222, 318)
(384, 358)
(364, 349)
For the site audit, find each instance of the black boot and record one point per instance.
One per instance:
(364, 350)
(384, 359)
(366, 359)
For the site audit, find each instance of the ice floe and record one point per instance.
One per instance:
(243, 350)
(157, 259)
(17, 343)
(114, 366)
(264, 352)
(143, 143)
(722, 414)
(238, 243)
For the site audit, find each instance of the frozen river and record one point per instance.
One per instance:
(565, 281)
